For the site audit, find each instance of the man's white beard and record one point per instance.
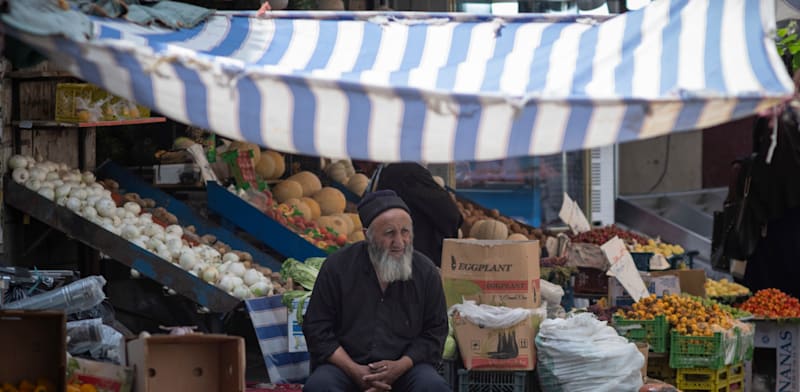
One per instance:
(391, 268)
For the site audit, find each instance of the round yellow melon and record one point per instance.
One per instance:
(337, 172)
(265, 167)
(313, 206)
(301, 206)
(356, 221)
(356, 236)
(280, 164)
(358, 184)
(490, 229)
(286, 190)
(331, 201)
(517, 237)
(309, 181)
(336, 223)
(348, 222)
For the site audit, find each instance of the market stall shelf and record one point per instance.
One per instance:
(183, 212)
(148, 264)
(239, 213)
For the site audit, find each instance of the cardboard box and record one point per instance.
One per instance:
(34, 346)
(500, 273)
(176, 173)
(196, 362)
(775, 365)
(497, 349)
(106, 377)
(660, 283)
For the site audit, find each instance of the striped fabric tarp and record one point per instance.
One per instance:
(443, 87)
(269, 318)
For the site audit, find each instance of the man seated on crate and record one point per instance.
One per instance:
(377, 318)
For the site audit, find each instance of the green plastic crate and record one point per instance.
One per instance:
(653, 332)
(493, 381)
(698, 351)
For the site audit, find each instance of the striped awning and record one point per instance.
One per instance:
(442, 87)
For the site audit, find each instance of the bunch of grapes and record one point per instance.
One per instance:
(600, 236)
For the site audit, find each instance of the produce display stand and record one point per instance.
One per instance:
(148, 264)
(185, 214)
(236, 212)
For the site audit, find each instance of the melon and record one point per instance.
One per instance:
(358, 184)
(517, 237)
(265, 167)
(313, 205)
(286, 190)
(475, 227)
(489, 229)
(280, 164)
(348, 167)
(331, 201)
(356, 236)
(337, 172)
(309, 181)
(348, 222)
(335, 223)
(300, 206)
(356, 221)
(244, 146)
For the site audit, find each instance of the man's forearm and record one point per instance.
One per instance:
(341, 359)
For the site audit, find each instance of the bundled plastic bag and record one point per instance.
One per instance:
(581, 353)
(93, 339)
(75, 297)
(552, 294)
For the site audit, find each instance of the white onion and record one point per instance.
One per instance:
(237, 269)
(88, 177)
(135, 274)
(20, 175)
(133, 208)
(88, 212)
(241, 292)
(130, 232)
(105, 207)
(38, 173)
(47, 193)
(230, 257)
(262, 288)
(62, 201)
(251, 276)
(174, 230)
(52, 176)
(74, 204)
(33, 184)
(78, 193)
(63, 191)
(17, 161)
(187, 260)
(120, 212)
(210, 275)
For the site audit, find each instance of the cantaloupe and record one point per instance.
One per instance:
(309, 181)
(331, 201)
(286, 190)
(348, 167)
(473, 231)
(337, 172)
(300, 206)
(348, 222)
(280, 164)
(243, 146)
(336, 223)
(313, 205)
(356, 236)
(490, 229)
(358, 184)
(517, 237)
(265, 167)
(356, 221)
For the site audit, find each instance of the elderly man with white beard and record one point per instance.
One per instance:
(377, 318)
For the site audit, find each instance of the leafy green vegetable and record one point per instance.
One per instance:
(304, 275)
(301, 296)
(315, 262)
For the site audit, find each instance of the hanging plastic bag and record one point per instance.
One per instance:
(581, 353)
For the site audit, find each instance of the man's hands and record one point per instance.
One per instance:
(384, 373)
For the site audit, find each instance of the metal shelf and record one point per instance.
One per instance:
(239, 213)
(28, 124)
(148, 264)
(185, 214)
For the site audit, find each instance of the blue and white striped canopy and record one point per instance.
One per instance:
(443, 87)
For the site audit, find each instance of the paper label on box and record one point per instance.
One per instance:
(573, 216)
(297, 341)
(623, 268)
